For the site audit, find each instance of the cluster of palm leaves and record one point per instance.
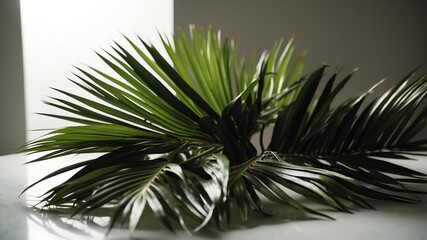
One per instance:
(184, 134)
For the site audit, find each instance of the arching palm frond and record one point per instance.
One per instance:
(351, 139)
(177, 133)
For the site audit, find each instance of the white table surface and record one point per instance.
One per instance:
(390, 221)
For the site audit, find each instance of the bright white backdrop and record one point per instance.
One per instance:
(58, 34)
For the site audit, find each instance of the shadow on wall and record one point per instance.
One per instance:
(384, 39)
(12, 110)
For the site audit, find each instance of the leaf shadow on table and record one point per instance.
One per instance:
(58, 223)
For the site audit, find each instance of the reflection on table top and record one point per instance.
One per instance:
(18, 221)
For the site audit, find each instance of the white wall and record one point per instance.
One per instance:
(58, 34)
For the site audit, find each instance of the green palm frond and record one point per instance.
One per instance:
(177, 133)
(349, 139)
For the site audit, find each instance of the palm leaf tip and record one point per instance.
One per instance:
(178, 136)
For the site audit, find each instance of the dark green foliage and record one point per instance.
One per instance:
(178, 136)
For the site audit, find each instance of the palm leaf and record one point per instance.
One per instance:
(278, 181)
(170, 191)
(176, 133)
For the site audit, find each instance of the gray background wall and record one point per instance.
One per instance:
(12, 112)
(384, 38)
